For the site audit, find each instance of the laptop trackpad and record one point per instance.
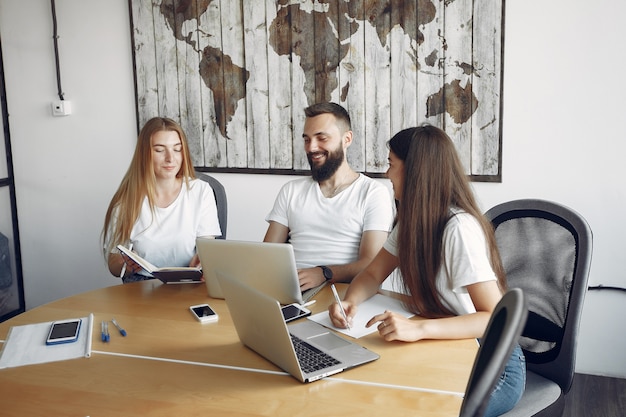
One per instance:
(328, 341)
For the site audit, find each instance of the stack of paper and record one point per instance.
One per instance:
(378, 304)
(26, 345)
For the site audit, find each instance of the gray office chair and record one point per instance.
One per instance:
(220, 200)
(546, 251)
(501, 336)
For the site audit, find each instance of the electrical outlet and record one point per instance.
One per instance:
(61, 108)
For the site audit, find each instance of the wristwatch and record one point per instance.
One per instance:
(328, 273)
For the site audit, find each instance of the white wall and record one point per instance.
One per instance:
(66, 168)
(561, 134)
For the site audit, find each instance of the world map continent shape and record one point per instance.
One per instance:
(320, 65)
(226, 80)
(229, 89)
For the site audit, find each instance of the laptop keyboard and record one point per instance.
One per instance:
(311, 359)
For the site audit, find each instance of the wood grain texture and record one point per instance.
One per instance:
(487, 84)
(169, 364)
(238, 74)
(280, 68)
(257, 134)
(458, 96)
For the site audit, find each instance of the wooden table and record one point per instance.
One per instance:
(172, 365)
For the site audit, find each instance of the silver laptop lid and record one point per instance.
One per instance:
(268, 267)
(260, 326)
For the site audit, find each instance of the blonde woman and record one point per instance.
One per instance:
(160, 208)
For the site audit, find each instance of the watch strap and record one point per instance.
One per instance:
(328, 273)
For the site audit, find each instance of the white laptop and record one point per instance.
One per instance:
(269, 267)
(305, 349)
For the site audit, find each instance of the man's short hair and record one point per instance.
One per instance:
(341, 114)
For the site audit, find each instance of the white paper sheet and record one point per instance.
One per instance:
(26, 345)
(368, 309)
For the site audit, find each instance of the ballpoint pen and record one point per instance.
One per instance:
(130, 247)
(122, 331)
(105, 332)
(343, 312)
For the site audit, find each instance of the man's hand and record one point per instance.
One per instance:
(310, 278)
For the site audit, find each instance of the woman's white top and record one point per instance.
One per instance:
(465, 260)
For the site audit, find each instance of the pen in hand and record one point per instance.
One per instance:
(122, 331)
(343, 312)
(130, 247)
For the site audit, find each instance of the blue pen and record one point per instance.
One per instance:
(122, 331)
(105, 332)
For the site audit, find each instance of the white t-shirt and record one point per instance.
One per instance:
(169, 239)
(465, 260)
(327, 231)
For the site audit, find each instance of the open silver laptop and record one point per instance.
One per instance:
(305, 349)
(268, 267)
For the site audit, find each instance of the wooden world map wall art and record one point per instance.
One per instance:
(237, 75)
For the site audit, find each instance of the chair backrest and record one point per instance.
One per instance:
(546, 251)
(220, 200)
(502, 333)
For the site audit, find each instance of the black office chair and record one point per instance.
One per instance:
(501, 336)
(546, 251)
(220, 200)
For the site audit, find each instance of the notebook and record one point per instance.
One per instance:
(167, 275)
(305, 349)
(268, 267)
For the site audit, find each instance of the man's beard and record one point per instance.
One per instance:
(334, 159)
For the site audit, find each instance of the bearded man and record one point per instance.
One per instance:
(337, 219)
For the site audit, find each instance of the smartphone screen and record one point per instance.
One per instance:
(63, 332)
(203, 311)
(293, 312)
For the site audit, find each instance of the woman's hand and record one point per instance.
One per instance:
(336, 317)
(393, 326)
(195, 261)
(122, 266)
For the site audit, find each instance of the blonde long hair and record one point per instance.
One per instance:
(140, 182)
(434, 181)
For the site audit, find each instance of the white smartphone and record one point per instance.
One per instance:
(294, 311)
(204, 313)
(63, 331)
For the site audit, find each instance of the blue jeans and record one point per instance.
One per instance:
(510, 386)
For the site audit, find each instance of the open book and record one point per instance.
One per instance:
(169, 275)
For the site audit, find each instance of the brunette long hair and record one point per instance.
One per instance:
(434, 181)
(140, 182)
